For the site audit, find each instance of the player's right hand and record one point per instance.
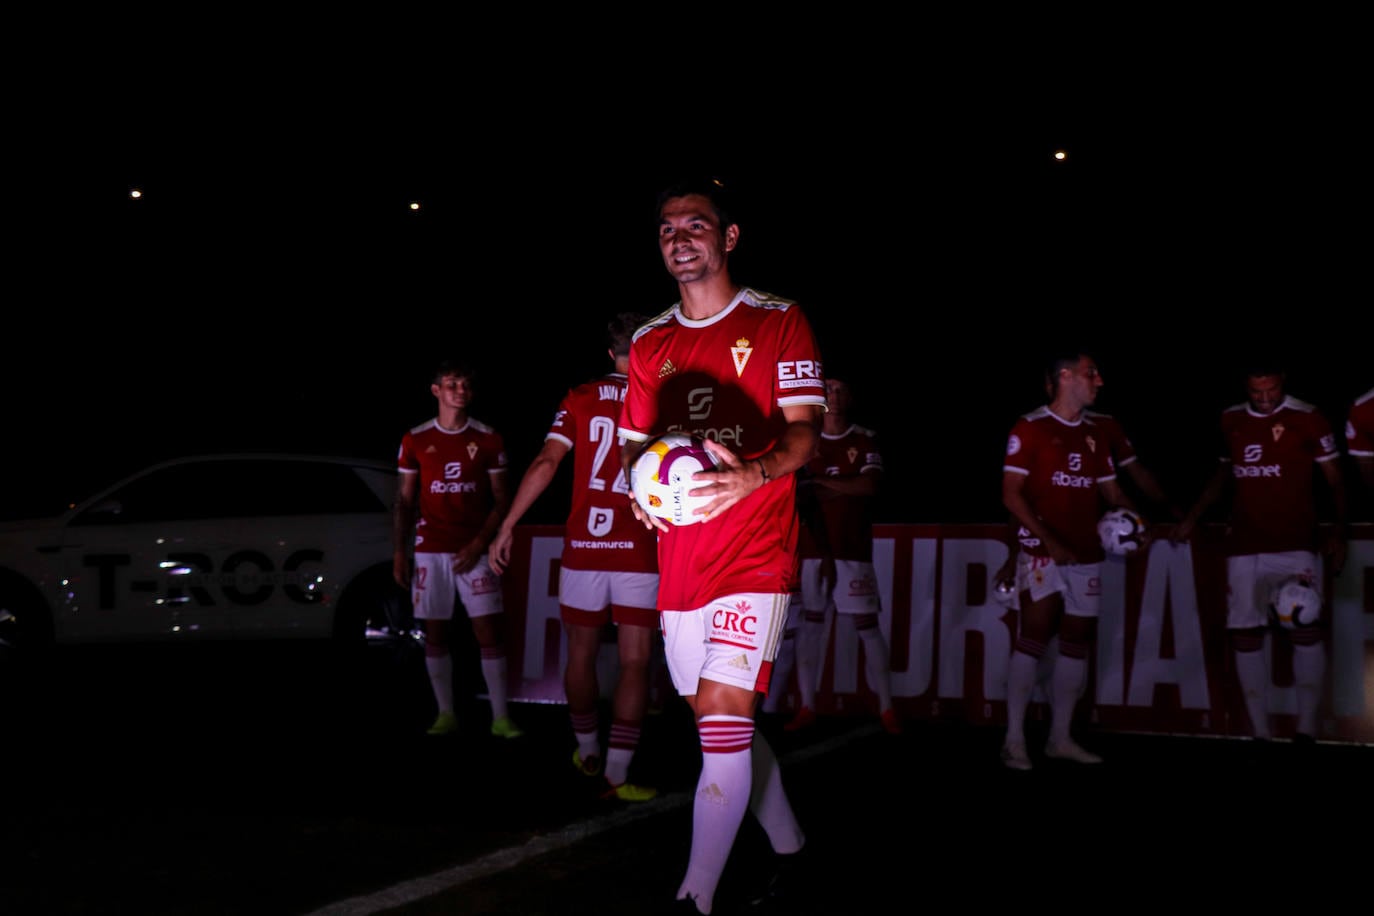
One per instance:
(645, 518)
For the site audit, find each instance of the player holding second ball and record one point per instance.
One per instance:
(1057, 478)
(741, 369)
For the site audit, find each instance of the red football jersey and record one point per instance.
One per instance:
(601, 532)
(727, 378)
(455, 484)
(848, 519)
(1271, 456)
(1119, 445)
(1063, 463)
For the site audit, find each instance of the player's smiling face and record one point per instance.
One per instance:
(1265, 393)
(693, 243)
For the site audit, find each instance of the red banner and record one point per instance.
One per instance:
(1162, 663)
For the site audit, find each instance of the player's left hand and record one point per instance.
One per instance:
(729, 481)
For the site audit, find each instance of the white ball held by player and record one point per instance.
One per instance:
(661, 477)
(1295, 603)
(1004, 593)
(1121, 531)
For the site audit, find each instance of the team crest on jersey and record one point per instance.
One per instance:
(666, 369)
(1277, 431)
(741, 351)
(472, 450)
(1092, 444)
(853, 454)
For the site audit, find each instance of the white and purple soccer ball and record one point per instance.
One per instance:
(1005, 594)
(661, 477)
(1295, 603)
(1121, 531)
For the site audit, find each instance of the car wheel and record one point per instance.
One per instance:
(378, 652)
(375, 612)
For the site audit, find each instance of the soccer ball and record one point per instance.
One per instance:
(1121, 531)
(1004, 593)
(1295, 603)
(662, 474)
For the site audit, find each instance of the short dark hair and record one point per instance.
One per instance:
(708, 186)
(1263, 366)
(620, 330)
(456, 368)
(1059, 360)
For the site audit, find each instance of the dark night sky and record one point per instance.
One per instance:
(272, 291)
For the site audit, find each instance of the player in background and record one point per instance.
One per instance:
(1359, 444)
(1057, 480)
(1124, 457)
(608, 572)
(741, 368)
(844, 475)
(451, 493)
(1267, 449)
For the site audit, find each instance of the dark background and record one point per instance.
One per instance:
(272, 290)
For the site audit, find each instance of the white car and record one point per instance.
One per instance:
(257, 546)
